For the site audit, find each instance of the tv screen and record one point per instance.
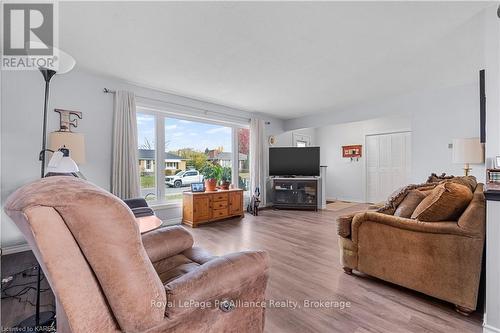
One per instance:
(294, 161)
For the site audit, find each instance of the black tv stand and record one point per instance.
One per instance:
(295, 193)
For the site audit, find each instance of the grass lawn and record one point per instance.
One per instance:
(147, 181)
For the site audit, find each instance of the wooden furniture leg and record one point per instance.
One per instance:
(463, 310)
(348, 270)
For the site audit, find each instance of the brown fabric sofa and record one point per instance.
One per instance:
(107, 278)
(440, 259)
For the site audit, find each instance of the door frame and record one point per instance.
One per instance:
(301, 137)
(365, 167)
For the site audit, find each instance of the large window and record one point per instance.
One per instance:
(244, 161)
(146, 135)
(187, 145)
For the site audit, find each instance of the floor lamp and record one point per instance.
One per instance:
(65, 64)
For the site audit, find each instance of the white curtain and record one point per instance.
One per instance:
(125, 169)
(257, 157)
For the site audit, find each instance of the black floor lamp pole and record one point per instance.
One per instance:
(47, 75)
(41, 318)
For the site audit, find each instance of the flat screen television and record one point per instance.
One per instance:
(294, 161)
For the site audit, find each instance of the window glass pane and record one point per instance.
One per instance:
(146, 126)
(189, 145)
(244, 162)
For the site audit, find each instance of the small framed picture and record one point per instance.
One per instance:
(497, 162)
(198, 187)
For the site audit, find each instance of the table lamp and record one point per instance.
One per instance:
(468, 151)
(62, 164)
(74, 142)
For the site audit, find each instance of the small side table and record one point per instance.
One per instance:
(148, 223)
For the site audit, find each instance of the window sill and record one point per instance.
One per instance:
(164, 205)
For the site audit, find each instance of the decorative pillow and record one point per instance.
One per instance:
(398, 196)
(434, 178)
(409, 203)
(445, 203)
(427, 191)
(469, 181)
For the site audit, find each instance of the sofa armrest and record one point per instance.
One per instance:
(344, 222)
(166, 242)
(450, 228)
(220, 278)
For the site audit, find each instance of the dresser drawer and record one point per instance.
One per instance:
(219, 204)
(219, 213)
(219, 197)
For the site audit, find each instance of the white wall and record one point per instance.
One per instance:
(439, 117)
(437, 113)
(21, 127)
(285, 139)
(435, 118)
(346, 178)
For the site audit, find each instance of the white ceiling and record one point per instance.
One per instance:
(284, 59)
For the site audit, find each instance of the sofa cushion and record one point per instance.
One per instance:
(409, 203)
(226, 277)
(398, 196)
(469, 181)
(170, 268)
(445, 203)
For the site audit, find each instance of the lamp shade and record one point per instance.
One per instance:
(63, 63)
(468, 151)
(75, 142)
(61, 163)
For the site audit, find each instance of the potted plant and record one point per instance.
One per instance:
(211, 173)
(225, 178)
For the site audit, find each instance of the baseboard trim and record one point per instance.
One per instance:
(345, 200)
(15, 249)
(25, 247)
(490, 329)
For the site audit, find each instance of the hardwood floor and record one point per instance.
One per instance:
(305, 266)
(14, 310)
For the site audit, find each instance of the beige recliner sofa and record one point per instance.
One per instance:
(441, 259)
(107, 278)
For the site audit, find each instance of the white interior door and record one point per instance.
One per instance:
(388, 164)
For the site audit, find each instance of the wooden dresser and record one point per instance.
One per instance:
(204, 207)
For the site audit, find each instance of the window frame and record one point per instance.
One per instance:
(160, 154)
